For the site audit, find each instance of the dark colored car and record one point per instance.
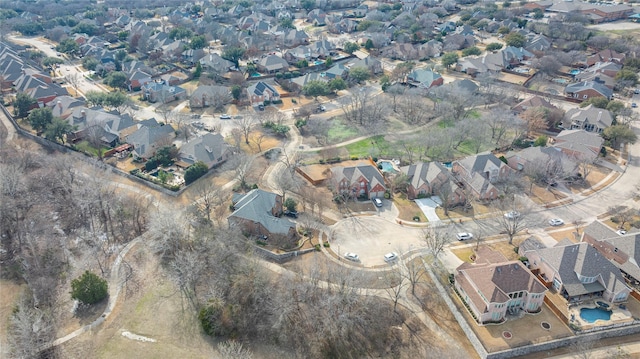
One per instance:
(292, 214)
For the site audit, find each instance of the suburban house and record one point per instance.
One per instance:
(159, 92)
(148, 138)
(427, 179)
(579, 144)
(261, 91)
(479, 172)
(300, 81)
(590, 119)
(95, 122)
(606, 55)
(609, 69)
(358, 181)
(533, 102)
(209, 149)
(622, 250)
(256, 213)
(494, 287)
(205, 96)
(271, 64)
(374, 65)
(138, 78)
(62, 106)
(215, 63)
(578, 272)
(553, 161)
(424, 79)
(588, 89)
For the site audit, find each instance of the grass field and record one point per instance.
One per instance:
(375, 146)
(85, 147)
(339, 132)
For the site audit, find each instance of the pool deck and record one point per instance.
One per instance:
(618, 315)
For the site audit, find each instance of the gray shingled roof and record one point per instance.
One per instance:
(256, 206)
(209, 149)
(424, 172)
(583, 259)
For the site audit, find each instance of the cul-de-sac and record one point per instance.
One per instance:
(248, 179)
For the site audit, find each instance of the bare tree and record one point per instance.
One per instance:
(581, 348)
(258, 139)
(245, 124)
(586, 164)
(241, 164)
(535, 119)
(395, 283)
(361, 109)
(413, 108)
(73, 80)
(511, 217)
(413, 270)
(622, 215)
(435, 239)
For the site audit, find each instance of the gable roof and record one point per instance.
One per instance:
(599, 117)
(260, 87)
(143, 138)
(589, 85)
(480, 163)
(273, 63)
(571, 260)
(535, 101)
(423, 76)
(209, 149)
(425, 173)
(351, 174)
(256, 206)
(577, 139)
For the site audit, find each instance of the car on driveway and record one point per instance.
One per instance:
(621, 232)
(292, 214)
(512, 215)
(556, 222)
(634, 105)
(352, 256)
(464, 236)
(225, 117)
(377, 202)
(390, 257)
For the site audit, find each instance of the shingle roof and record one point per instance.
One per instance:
(425, 172)
(208, 149)
(259, 87)
(581, 258)
(599, 117)
(582, 86)
(373, 176)
(256, 206)
(144, 137)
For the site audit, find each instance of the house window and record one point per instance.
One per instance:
(584, 97)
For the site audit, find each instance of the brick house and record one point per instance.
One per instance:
(262, 91)
(358, 181)
(590, 119)
(427, 179)
(588, 89)
(479, 172)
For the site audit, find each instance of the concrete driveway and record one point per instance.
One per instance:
(428, 207)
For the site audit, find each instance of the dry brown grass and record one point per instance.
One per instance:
(407, 208)
(9, 294)
(568, 233)
(268, 142)
(542, 195)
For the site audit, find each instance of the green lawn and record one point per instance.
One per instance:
(375, 146)
(85, 147)
(340, 132)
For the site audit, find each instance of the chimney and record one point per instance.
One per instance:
(59, 104)
(83, 114)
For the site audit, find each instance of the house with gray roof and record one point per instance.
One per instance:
(579, 143)
(374, 65)
(215, 63)
(146, 140)
(271, 64)
(622, 250)
(579, 272)
(261, 91)
(424, 78)
(209, 149)
(427, 179)
(479, 172)
(257, 214)
(156, 91)
(588, 89)
(205, 96)
(590, 119)
(62, 106)
(362, 181)
(494, 287)
(543, 161)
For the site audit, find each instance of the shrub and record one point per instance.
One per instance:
(387, 195)
(89, 288)
(326, 244)
(354, 158)
(211, 319)
(416, 218)
(194, 172)
(523, 259)
(317, 247)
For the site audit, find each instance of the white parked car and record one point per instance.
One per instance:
(621, 232)
(352, 257)
(512, 215)
(377, 202)
(556, 222)
(390, 257)
(225, 117)
(464, 236)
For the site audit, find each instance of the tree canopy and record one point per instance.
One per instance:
(515, 39)
(89, 288)
(449, 59)
(619, 134)
(351, 47)
(233, 54)
(315, 88)
(68, 46)
(116, 79)
(194, 172)
(40, 118)
(22, 104)
(57, 130)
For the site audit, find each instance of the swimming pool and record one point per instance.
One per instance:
(574, 72)
(318, 62)
(387, 166)
(560, 81)
(255, 74)
(592, 314)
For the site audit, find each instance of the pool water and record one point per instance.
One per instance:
(255, 74)
(318, 62)
(560, 81)
(592, 314)
(387, 166)
(574, 72)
